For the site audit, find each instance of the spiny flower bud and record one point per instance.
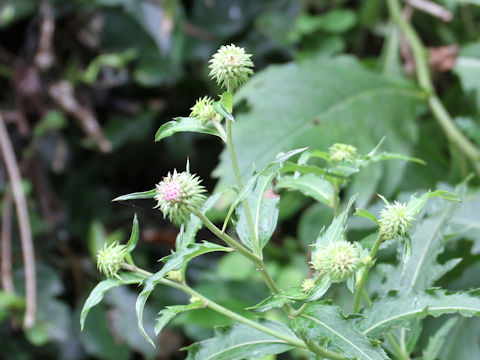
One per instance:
(179, 193)
(110, 259)
(339, 260)
(395, 220)
(231, 66)
(204, 112)
(308, 285)
(342, 152)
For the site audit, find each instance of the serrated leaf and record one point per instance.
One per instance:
(336, 230)
(241, 342)
(169, 312)
(172, 262)
(321, 321)
(98, 292)
(299, 104)
(437, 340)
(182, 124)
(416, 204)
(310, 185)
(150, 194)
(390, 312)
(365, 214)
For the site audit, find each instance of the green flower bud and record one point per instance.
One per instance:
(395, 220)
(339, 260)
(204, 112)
(231, 66)
(175, 275)
(308, 285)
(179, 193)
(342, 152)
(110, 259)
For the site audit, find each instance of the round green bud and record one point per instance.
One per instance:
(204, 112)
(175, 275)
(110, 259)
(230, 66)
(395, 220)
(178, 194)
(339, 260)
(308, 285)
(342, 152)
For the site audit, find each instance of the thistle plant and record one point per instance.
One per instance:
(308, 318)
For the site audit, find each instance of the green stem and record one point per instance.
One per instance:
(363, 279)
(321, 351)
(220, 309)
(238, 177)
(425, 81)
(396, 347)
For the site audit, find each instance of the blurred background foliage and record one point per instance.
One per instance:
(84, 84)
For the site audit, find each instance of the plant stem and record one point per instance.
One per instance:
(396, 347)
(321, 351)
(238, 177)
(363, 279)
(424, 79)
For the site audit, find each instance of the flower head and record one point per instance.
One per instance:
(339, 260)
(177, 194)
(342, 152)
(110, 259)
(231, 66)
(203, 111)
(308, 285)
(395, 220)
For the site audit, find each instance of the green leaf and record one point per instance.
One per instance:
(310, 169)
(137, 195)
(118, 60)
(394, 156)
(227, 101)
(99, 291)
(336, 230)
(390, 312)
(182, 124)
(321, 321)
(220, 109)
(437, 340)
(415, 205)
(278, 300)
(132, 242)
(467, 67)
(297, 105)
(169, 312)
(172, 262)
(365, 214)
(310, 185)
(240, 342)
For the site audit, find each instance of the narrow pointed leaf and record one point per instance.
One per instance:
(321, 321)
(310, 185)
(241, 342)
(437, 340)
(169, 312)
(182, 124)
(365, 214)
(102, 287)
(150, 194)
(132, 242)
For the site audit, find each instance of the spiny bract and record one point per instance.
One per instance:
(178, 194)
(204, 112)
(342, 152)
(110, 259)
(395, 220)
(231, 66)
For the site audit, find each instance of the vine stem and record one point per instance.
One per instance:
(363, 279)
(425, 82)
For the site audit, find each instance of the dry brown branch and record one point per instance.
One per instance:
(24, 225)
(63, 94)
(432, 8)
(6, 239)
(44, 57)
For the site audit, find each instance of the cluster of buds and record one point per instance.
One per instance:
(395, 220)
(339, 260)
(178, 194)
(110, 259)
(342, 152)
(231, 66)
(204, 112)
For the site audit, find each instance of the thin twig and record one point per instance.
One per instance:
(24, 225)
(6, 239)
(432, 8)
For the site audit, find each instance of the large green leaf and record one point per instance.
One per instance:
(321, 321)
(310, 185)
(318, 103)
(172, 262)
(240, 342)
(99, 291)
(390, 312)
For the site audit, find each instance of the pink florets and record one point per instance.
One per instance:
(171, 191)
